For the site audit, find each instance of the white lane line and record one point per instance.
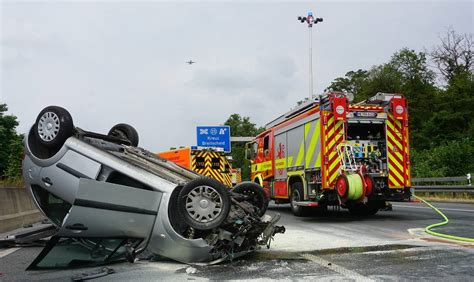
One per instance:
(6, 252)
(441, 209)
(337, 268)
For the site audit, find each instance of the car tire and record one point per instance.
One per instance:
(125, 131)
(296, 196)
(53, 127)
(259, 199)
(204, 203)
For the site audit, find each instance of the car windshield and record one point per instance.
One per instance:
(78, 252)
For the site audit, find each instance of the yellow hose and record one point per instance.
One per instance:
(446, 221)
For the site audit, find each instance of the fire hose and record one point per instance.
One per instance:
(446, 221)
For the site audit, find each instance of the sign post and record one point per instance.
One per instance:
(214, 137)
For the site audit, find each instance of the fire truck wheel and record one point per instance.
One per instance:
(204, 203)
(296, 196)
(258, 197)
(125, 131)
(53, 126)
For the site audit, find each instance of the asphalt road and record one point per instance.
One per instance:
(335, 246)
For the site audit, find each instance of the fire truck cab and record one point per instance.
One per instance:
(328, 151)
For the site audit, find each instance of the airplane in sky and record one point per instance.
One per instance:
(190, 62)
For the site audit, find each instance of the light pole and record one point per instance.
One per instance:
(310, 20)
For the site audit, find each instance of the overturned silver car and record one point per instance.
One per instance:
(110, 200)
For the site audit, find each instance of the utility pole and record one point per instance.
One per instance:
(310, 20)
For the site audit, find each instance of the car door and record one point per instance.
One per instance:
(106, 222)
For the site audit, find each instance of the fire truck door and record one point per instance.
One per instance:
(280, 156)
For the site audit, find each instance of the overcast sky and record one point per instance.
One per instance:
(109, 62)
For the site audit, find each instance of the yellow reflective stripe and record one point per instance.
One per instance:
(337, 127)
(261, 166)
(318, 160)
(391, 136)
(289, 161)
(299, 158)
(394, 140)
(333, 177)
(280, 163)
(394, 179)
(330, 156)
(392, 127)
(307, 127)
(400, 167)
(330, 121)
(312, 144)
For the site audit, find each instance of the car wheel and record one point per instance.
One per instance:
(53, 126)
(204, 203)
(258, 197)
(125, 131)
(296, 196)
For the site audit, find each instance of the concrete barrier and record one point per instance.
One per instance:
(17, 209)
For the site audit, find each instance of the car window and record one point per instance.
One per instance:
(64, 252)
(54, 207)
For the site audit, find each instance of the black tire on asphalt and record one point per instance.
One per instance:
(53, 127)
(214, 192)
(125, 131)
(297, 195)
(258, 197)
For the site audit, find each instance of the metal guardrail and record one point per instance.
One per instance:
(432, 184)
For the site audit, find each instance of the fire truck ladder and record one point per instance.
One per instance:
(346, 157)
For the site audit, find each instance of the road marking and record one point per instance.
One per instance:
(337, 268)
(6, 252)
(441, 209)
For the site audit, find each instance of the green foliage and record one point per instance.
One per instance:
(450, 159)
(10, 145)
(13, 168)
(241, 126)
(353, 82)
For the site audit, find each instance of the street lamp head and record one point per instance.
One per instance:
(317, 20)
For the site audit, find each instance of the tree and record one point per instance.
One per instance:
(13, 168)
(10, 142)
(351, 83)
(454, 55)
(417, 84)
(453, 116)
(241, 126)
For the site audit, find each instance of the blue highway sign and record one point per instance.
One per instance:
(214, 137)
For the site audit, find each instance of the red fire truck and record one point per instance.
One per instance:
(330, 152)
